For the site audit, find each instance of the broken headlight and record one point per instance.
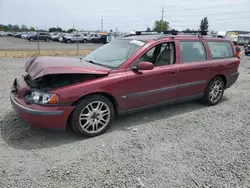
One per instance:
(38, 97)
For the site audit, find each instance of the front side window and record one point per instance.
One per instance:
(115, 53)
(192, 52)
(220, 50)
(160, 55)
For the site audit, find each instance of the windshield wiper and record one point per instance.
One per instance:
(95, 63)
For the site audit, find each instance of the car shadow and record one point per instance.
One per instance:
(19, 135)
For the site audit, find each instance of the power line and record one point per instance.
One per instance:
(180, 8)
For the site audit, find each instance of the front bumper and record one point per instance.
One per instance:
(41, 116)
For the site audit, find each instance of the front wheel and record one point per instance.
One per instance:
(214, 91)
(92, 116)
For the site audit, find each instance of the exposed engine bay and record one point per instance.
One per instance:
(49, 82)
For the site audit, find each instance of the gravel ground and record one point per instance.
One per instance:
(183, 145)
(11, 43)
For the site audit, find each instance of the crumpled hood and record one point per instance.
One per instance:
(41, 66)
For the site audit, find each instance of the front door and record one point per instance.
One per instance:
(151, 87)
(194, 72)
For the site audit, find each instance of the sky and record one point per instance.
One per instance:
(223, 15)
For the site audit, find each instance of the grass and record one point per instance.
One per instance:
(34, 53)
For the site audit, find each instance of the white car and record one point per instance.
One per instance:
(2, 33)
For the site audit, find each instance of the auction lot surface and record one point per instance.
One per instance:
(184, 145)
(11, 43)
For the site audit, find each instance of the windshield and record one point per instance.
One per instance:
(115, 53)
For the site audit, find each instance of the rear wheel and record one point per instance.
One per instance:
(214, 91)
(92, 116)
(47, 40)
(68, 41)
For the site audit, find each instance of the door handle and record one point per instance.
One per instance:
(173, 72)
(207, 68)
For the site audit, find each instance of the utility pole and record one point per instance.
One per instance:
(162, 14)
(101, 24)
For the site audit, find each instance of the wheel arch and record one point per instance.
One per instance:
(107, 95)
(223, 77)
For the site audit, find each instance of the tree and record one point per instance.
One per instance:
(52, 29)
(190, 31)
(71, 30)
(59, 29)
(3, 28)
(32, 29)
(148, 29)
(161, 25)
(24, 28)
(204, 24)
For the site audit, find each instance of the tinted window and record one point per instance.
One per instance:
(192, 52)
(220, 49)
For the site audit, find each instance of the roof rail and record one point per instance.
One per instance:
(171, 32)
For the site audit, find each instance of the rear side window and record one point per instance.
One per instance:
(192, 52)
(220, 50)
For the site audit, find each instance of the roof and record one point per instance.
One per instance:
(147, 38)
(144, 38)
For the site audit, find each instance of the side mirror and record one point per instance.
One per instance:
(143, 66)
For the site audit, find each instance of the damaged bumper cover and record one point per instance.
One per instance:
(41, 116)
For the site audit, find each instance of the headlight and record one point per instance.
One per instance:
(38, 97)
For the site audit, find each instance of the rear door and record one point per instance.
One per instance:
(194, 72)
(223, 60)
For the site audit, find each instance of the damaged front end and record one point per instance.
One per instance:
(40, 87)
(45, 74)
(49, 82)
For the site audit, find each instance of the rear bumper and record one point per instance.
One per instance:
(231, 79)
(41, 116)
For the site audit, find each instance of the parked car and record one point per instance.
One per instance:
(126, 75)
(18, 35)
(40, 36)
(9, 34)
(24, 34)
(2, 33)
(61, 39)
(247, 50)
(94, 37)
(57, 36)
(74, 38)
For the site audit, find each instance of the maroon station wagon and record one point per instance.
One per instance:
(126, 75)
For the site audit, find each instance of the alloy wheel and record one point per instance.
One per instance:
(94, 117)
(216, 91)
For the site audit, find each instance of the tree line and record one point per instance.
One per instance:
(23, 28)
(159, 25)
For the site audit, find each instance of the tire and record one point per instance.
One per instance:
(31, 39)
(47, 40)
(68, 41)
(84, 41)
(92, 125)
(210, 100)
